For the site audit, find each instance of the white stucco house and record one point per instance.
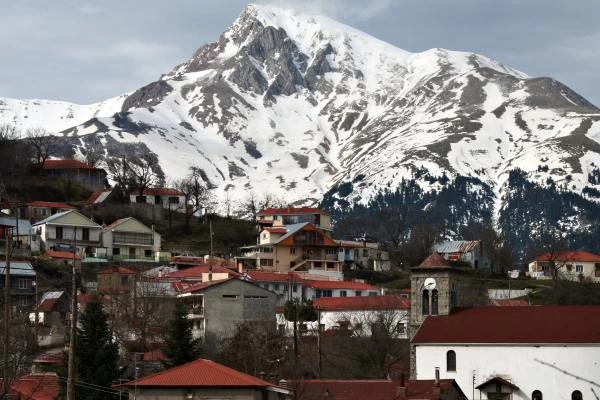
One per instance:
(356, 316)
(519, 353)
(67, 230)
(128, 238)
(573, 265)
(169, 199)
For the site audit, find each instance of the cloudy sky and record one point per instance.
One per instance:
(85, 51)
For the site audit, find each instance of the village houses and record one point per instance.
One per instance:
(572, 265)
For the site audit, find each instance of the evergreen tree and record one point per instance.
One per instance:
(96, 354)
(181, 346)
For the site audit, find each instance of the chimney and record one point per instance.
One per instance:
(401, 392)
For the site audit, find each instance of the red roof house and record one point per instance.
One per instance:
(377, 389)
(362, 303)
(202, 378)
(78, 171)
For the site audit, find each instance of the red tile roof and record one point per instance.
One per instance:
(118, 269)
(351, 285)
(200, 373)
(372, 389)
(36, 387)
(96, 195)
(55, 358)
(47, 305)
(582, 256)
(434, 261)
(197, 271)
(426, 389)
(66, 164)
(160, 192)
(362, 303)
(276, 230)
(291, 211)
(536, 324)
(265, 276)
(199, 286)
(63, 255)
(154, 355)
(49, 204)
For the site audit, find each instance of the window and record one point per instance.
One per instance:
(124, 281)
(85, 234)
(326, 293)
(294, 288)
(277, 286)
(59, 232)
(22, 284)
(342, 293)
(266, 262)
(373, 294)
(116, 251)
(451, 360)
(230, 296)
(147, 253)
(365, 253)
(173, 200)
(536, 395)
(401, 328)
(579, 268)
(576, 395)
(318, 293)
(292, 250)
(358, 293)
(434, 302)
(453, 298)
(425, 302)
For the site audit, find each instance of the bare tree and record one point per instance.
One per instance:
(41, 143)
(553, 250)
(143, 172)
(197, 194)
(248, 207)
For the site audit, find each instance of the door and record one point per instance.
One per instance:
(132, 252)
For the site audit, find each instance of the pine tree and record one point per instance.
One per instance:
(97, 354)
(181, 346)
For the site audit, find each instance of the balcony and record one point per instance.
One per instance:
(195, 312)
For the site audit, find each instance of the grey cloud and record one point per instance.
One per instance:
(85, 51)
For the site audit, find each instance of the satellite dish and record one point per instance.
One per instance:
(429, 284)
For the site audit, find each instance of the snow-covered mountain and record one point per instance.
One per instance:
(300, 105)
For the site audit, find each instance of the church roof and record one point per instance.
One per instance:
(507, 325)
(434, 261)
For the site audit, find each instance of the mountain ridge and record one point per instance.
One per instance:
(302, 105)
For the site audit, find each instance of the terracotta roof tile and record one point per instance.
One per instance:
(509, 302)
(200, 373)
(291, 211)
(154, 355)
(536, 324)
(63, 255)
(36, 386)
(266, 276)
(160, 192)
(351, 285)
(434, 261)
(583, 256)
(49, 204)
(362, 303)
(200, 285)
(372, 389)
(66, 164)
(119, 269)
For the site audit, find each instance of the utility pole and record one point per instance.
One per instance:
(36, 320)
(211, 238)
(73, 328)
(5, 381)
(319, 355)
